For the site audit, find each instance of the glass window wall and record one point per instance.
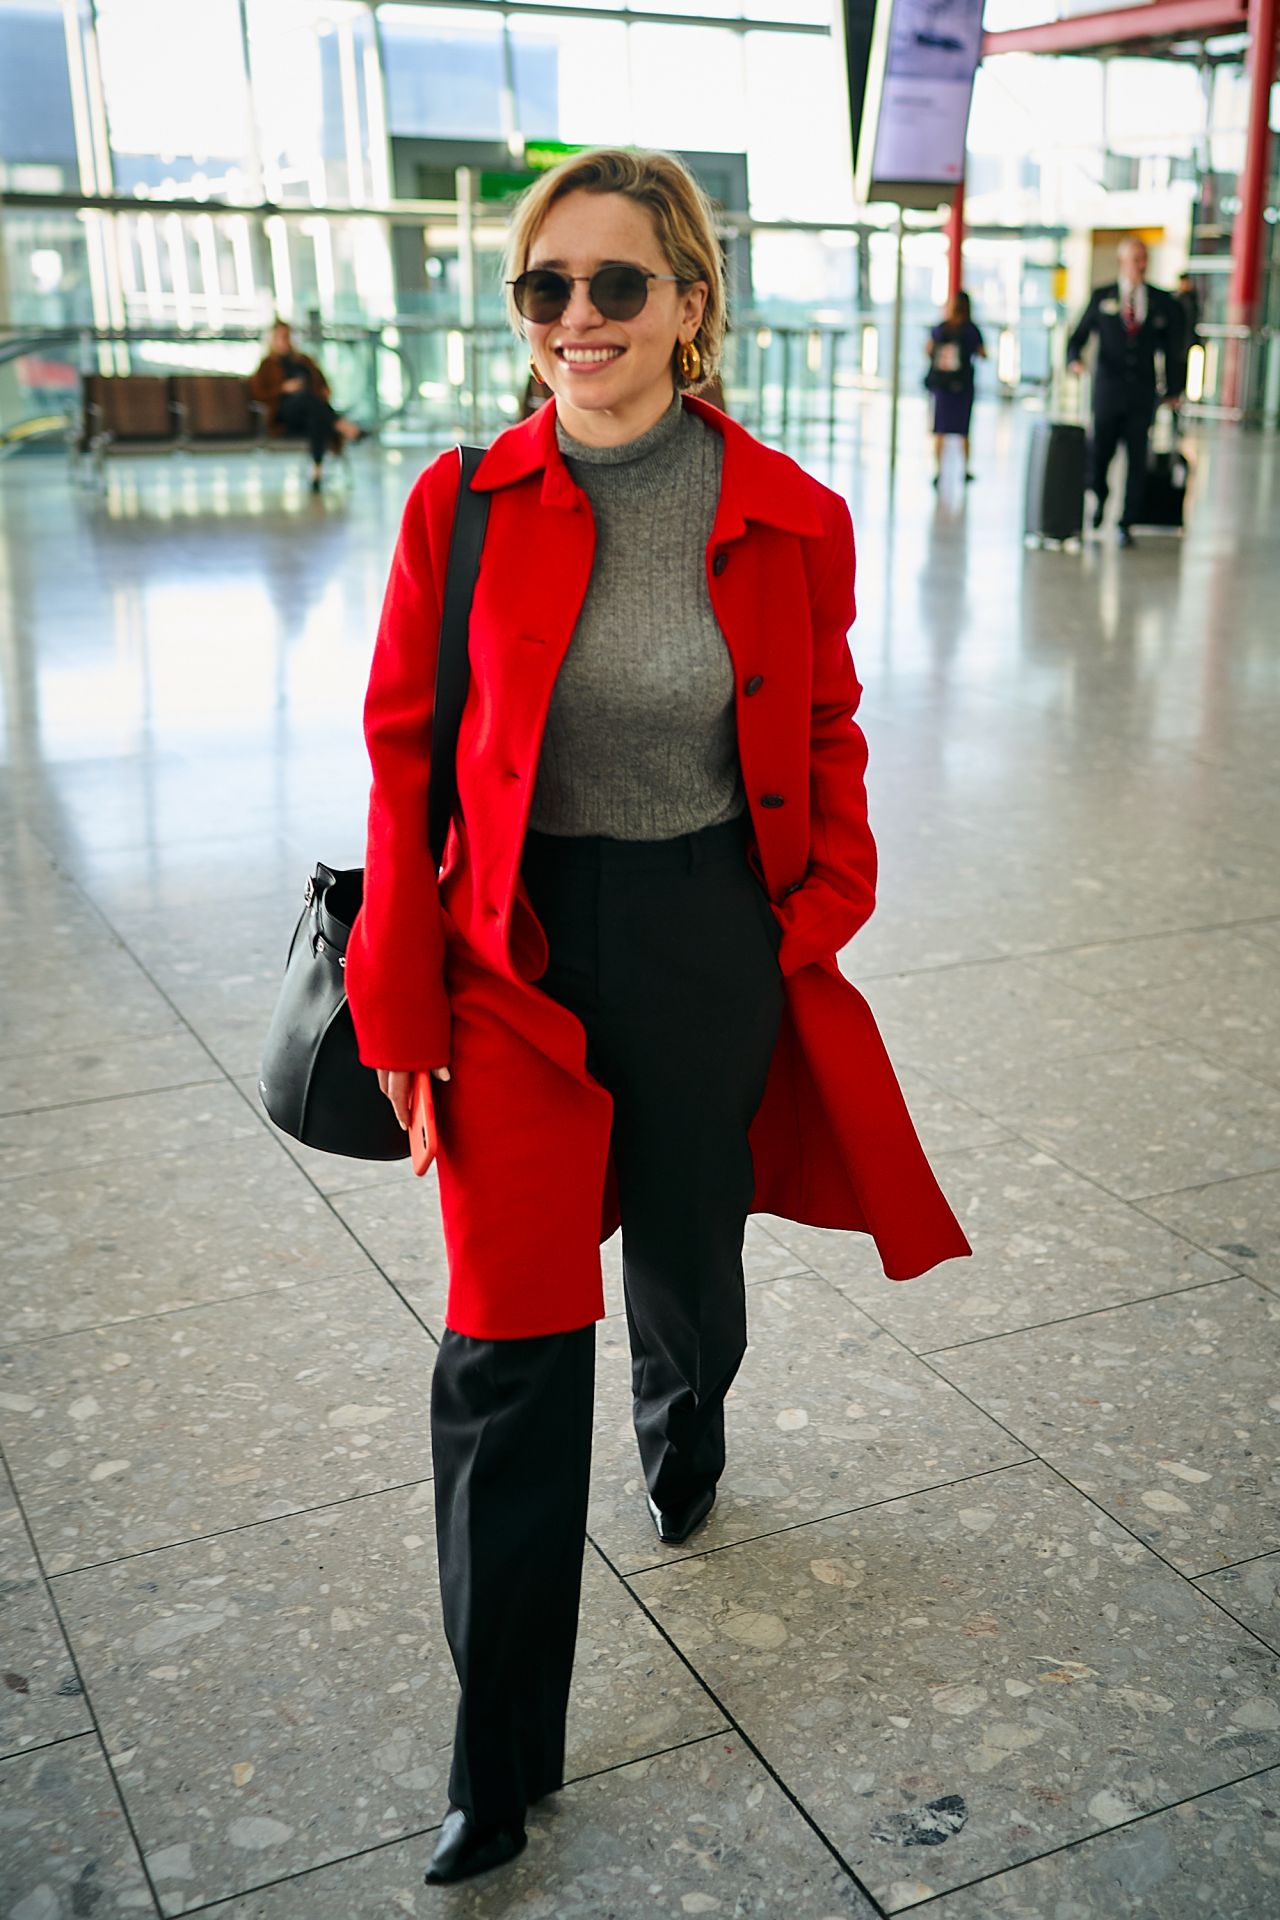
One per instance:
(177, 98)
(798, 156)
(688, 87)
(288, 109)
(318, 102)
(445, 73)
(37, 118)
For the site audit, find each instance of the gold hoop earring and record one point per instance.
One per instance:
(533, 368)
(689, 361)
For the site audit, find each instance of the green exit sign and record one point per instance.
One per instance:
(541, 155)
(504, 183)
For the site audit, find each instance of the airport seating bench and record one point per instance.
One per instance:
(171, 413)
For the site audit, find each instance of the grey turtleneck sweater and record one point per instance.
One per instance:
(641, 741)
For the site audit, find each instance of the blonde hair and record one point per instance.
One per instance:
(681, 214)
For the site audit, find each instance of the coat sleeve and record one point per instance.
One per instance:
(839, 888)
(1080, 338)
(264, 382)
(1175, 350)
(395, 956)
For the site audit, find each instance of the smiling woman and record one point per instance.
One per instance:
(627, 963)
(614, 277)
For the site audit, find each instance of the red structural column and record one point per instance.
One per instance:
(955, 239)
(1246, 238)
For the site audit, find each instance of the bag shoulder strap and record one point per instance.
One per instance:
(453, 664)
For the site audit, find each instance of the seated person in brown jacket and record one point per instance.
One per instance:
(295, 393)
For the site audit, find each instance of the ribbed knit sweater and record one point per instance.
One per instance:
(641, 741)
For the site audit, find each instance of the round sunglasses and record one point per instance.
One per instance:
(542, 293)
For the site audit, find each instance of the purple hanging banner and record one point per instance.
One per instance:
(915, 113)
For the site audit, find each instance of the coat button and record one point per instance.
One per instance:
(754, 684)
(720, 562)
(771, 800)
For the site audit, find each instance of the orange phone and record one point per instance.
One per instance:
(422, 1123)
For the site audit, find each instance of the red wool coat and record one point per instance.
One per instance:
(446, 973)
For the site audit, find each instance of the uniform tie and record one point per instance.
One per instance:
(1129, 313)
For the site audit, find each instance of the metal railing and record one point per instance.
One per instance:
(425, 382)
(1233, 373)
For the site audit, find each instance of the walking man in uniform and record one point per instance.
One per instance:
(1134, 323)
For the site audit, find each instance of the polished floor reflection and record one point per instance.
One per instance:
(988, 1618)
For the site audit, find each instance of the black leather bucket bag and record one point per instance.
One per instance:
(312, 1081)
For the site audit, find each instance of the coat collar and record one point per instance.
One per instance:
(756, 482)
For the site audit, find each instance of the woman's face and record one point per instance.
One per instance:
(281, 340)
(597, 366)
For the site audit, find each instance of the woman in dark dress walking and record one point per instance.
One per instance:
(953, 346)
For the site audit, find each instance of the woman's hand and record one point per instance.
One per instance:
(398, 1088)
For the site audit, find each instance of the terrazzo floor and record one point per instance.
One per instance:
(987, 1620)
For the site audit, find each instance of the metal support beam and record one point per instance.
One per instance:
(1247, 232)
(955, 241)
(1160, 20)
(895, 389)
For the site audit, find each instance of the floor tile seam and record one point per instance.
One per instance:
(104, 1099)
(1204, 1186)
(115, 934)
(1014, 1136)
(1272, 1646)
(1055, 1148)
(731, 1722)
(1187, 1579)
(95, 1728)
(822, 1519)
(1141, 939)
(1086, 1313)
(1093, 1839)
(327, 1200)
(1183, 1233)
(244, 1526)
(1077, 946)
(1215, 1062)
(43, 1746)
(922, 1354)
(351, 1193)
(887, 1332)
(1070, 1057)
(193, 1306)
(421, 1833)
(1042, 1460)
(1249, 1560)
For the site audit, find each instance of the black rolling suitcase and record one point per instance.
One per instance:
(1164, 490)
(1055, 482)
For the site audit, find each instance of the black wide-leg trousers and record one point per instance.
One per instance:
(1130, 425)
(667, 952)
(308, 414)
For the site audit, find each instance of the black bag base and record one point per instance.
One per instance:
(313, 1083)
(338, 1140)
(1164, 493)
